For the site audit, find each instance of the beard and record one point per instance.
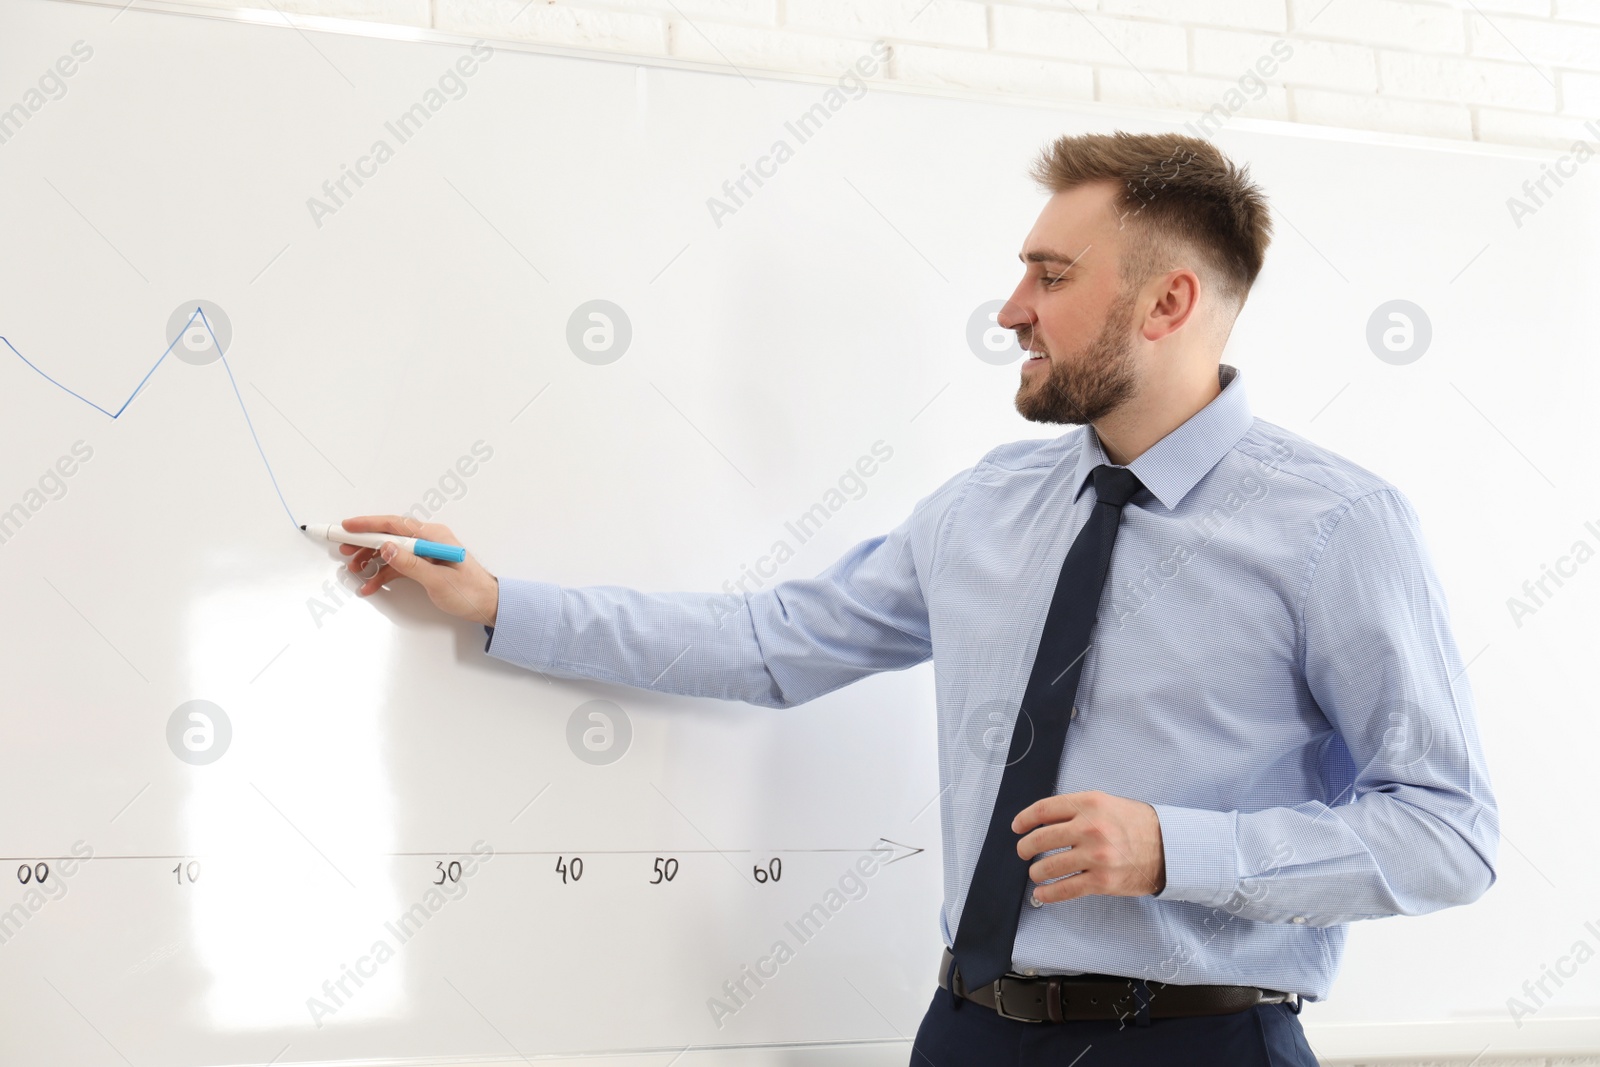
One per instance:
(1093, 382)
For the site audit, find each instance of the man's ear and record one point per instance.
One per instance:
(1173, 299)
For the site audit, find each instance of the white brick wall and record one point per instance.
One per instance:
(1523, 72)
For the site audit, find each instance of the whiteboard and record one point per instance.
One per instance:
(411, 349)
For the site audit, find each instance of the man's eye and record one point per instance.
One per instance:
(1051, 279)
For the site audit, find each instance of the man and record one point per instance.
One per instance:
(1199, 702)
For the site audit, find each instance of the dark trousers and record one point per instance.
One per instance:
(963, 1034)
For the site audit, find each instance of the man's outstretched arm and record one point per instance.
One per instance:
(776, 648)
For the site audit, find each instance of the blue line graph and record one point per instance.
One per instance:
(200, 313)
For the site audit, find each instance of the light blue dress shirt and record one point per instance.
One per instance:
(1272, 670)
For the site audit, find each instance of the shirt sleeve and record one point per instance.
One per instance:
(1409, 823)
(776, 648)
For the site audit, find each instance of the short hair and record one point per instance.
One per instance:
(1178, 193)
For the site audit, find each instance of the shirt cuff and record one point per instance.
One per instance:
(525, 624)
(1201, 849)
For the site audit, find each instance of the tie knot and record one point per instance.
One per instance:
(1115, 485)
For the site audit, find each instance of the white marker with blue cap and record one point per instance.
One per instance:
(426, 549)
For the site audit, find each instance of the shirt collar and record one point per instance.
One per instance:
(1176, 463)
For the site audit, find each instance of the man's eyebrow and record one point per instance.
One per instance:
(1045, 255)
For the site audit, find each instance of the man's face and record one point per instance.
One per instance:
(1070, 311)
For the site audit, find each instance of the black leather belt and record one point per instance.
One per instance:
(1071, 997)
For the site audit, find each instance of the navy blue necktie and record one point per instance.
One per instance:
(994, 899)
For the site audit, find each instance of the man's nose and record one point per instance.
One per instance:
(1013, 316)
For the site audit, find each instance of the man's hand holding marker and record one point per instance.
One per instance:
(426, 552)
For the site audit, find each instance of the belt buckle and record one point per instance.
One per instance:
(1000, 1004)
